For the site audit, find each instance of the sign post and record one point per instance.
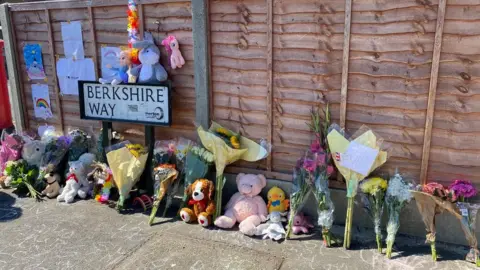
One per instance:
(131, 103)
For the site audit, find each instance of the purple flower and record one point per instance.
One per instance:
(309, 165)
(463, 188)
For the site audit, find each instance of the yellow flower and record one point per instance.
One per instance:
(235, 143)
(374, 184)
(223, 131)
(136, 149)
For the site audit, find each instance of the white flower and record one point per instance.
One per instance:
(399, 189)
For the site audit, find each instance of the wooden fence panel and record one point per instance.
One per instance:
(455, 147)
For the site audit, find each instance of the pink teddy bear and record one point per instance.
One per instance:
(245, 206)
(173, 49)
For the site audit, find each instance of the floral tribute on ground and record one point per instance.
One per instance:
(373, 199)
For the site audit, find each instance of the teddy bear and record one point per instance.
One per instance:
(76, 182)
(202, 207)
(246, 206)
(150, 71)
(273, 229)
(301, 224)
(53, 187)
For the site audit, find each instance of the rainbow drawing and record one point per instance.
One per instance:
(42, 103)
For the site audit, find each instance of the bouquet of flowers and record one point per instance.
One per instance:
(197, 165)
(311, 173)
(23, 178)
(374, 197)
(165, 175)
(227, 147)
(167, 153)
(432, 199)
(464, 190)
(127, 162)
(355, 160)
(10, 149)
(398, 195)
(56, 150)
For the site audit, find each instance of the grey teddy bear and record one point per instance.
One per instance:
(150, 71)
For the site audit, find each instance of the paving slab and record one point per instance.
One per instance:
(87, 235)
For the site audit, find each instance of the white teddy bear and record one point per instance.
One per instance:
(77, 182)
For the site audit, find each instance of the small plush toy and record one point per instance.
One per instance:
(53, 188)
(102, 180)
(173, 49)
(72, 184)
(76, 181)
(149, 71)
(245, 206)
(202, 207)
(273, 229)
(33, 152)
(301, 224)
(277, 201)
(121, 72)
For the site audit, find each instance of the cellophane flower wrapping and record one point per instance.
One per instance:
(226, 152)
(10, 149)
(468, 221)
(171, 152)
(373, 200)
(127, 162)
(197, 164)
(56, 149)
(80, 143)
(429, 206)
(300, 190)
(398, 195)
(165, 176)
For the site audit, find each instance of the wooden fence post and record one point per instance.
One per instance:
(54, 68)
(432, 90)
(345, 61)
(270, 101)
(15, 87)
(202, 61)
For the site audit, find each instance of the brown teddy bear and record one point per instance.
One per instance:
(201, 203)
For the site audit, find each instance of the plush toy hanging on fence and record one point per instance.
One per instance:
(173, 49)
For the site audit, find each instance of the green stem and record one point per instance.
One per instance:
(379, 242)
(477, 261)
(156, 204)
(348, 223)
(434, 251)
(218, 197)
(290, 225)
(327, 239)
(389, 249)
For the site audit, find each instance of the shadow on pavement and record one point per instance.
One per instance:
(8, 212)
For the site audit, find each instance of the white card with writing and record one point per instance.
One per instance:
(464, 212)
(359, 158)
(71, 71)
(72, 39)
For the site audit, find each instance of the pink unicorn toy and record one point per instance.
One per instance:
(173, 49)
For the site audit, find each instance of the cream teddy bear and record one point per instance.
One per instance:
(245, 206)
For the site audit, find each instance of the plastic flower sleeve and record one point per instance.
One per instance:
(468, 221)
(355, 160)
(429, 206)
(299, 194)
(127, 166)
(10, 149)
(224, 154)
(165, 175)
(397, 196)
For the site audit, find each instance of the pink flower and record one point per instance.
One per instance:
(330, 170)
(315, 147)
(435, 189)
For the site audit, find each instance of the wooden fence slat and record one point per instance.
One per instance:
(94, 40)
(54, 67)
(69, 4)
(15, 91)
(141, 17)
(345, 61)
(201, 50)
(432, 91)
(270, 101)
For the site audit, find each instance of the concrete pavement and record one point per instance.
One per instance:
(87, 235)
